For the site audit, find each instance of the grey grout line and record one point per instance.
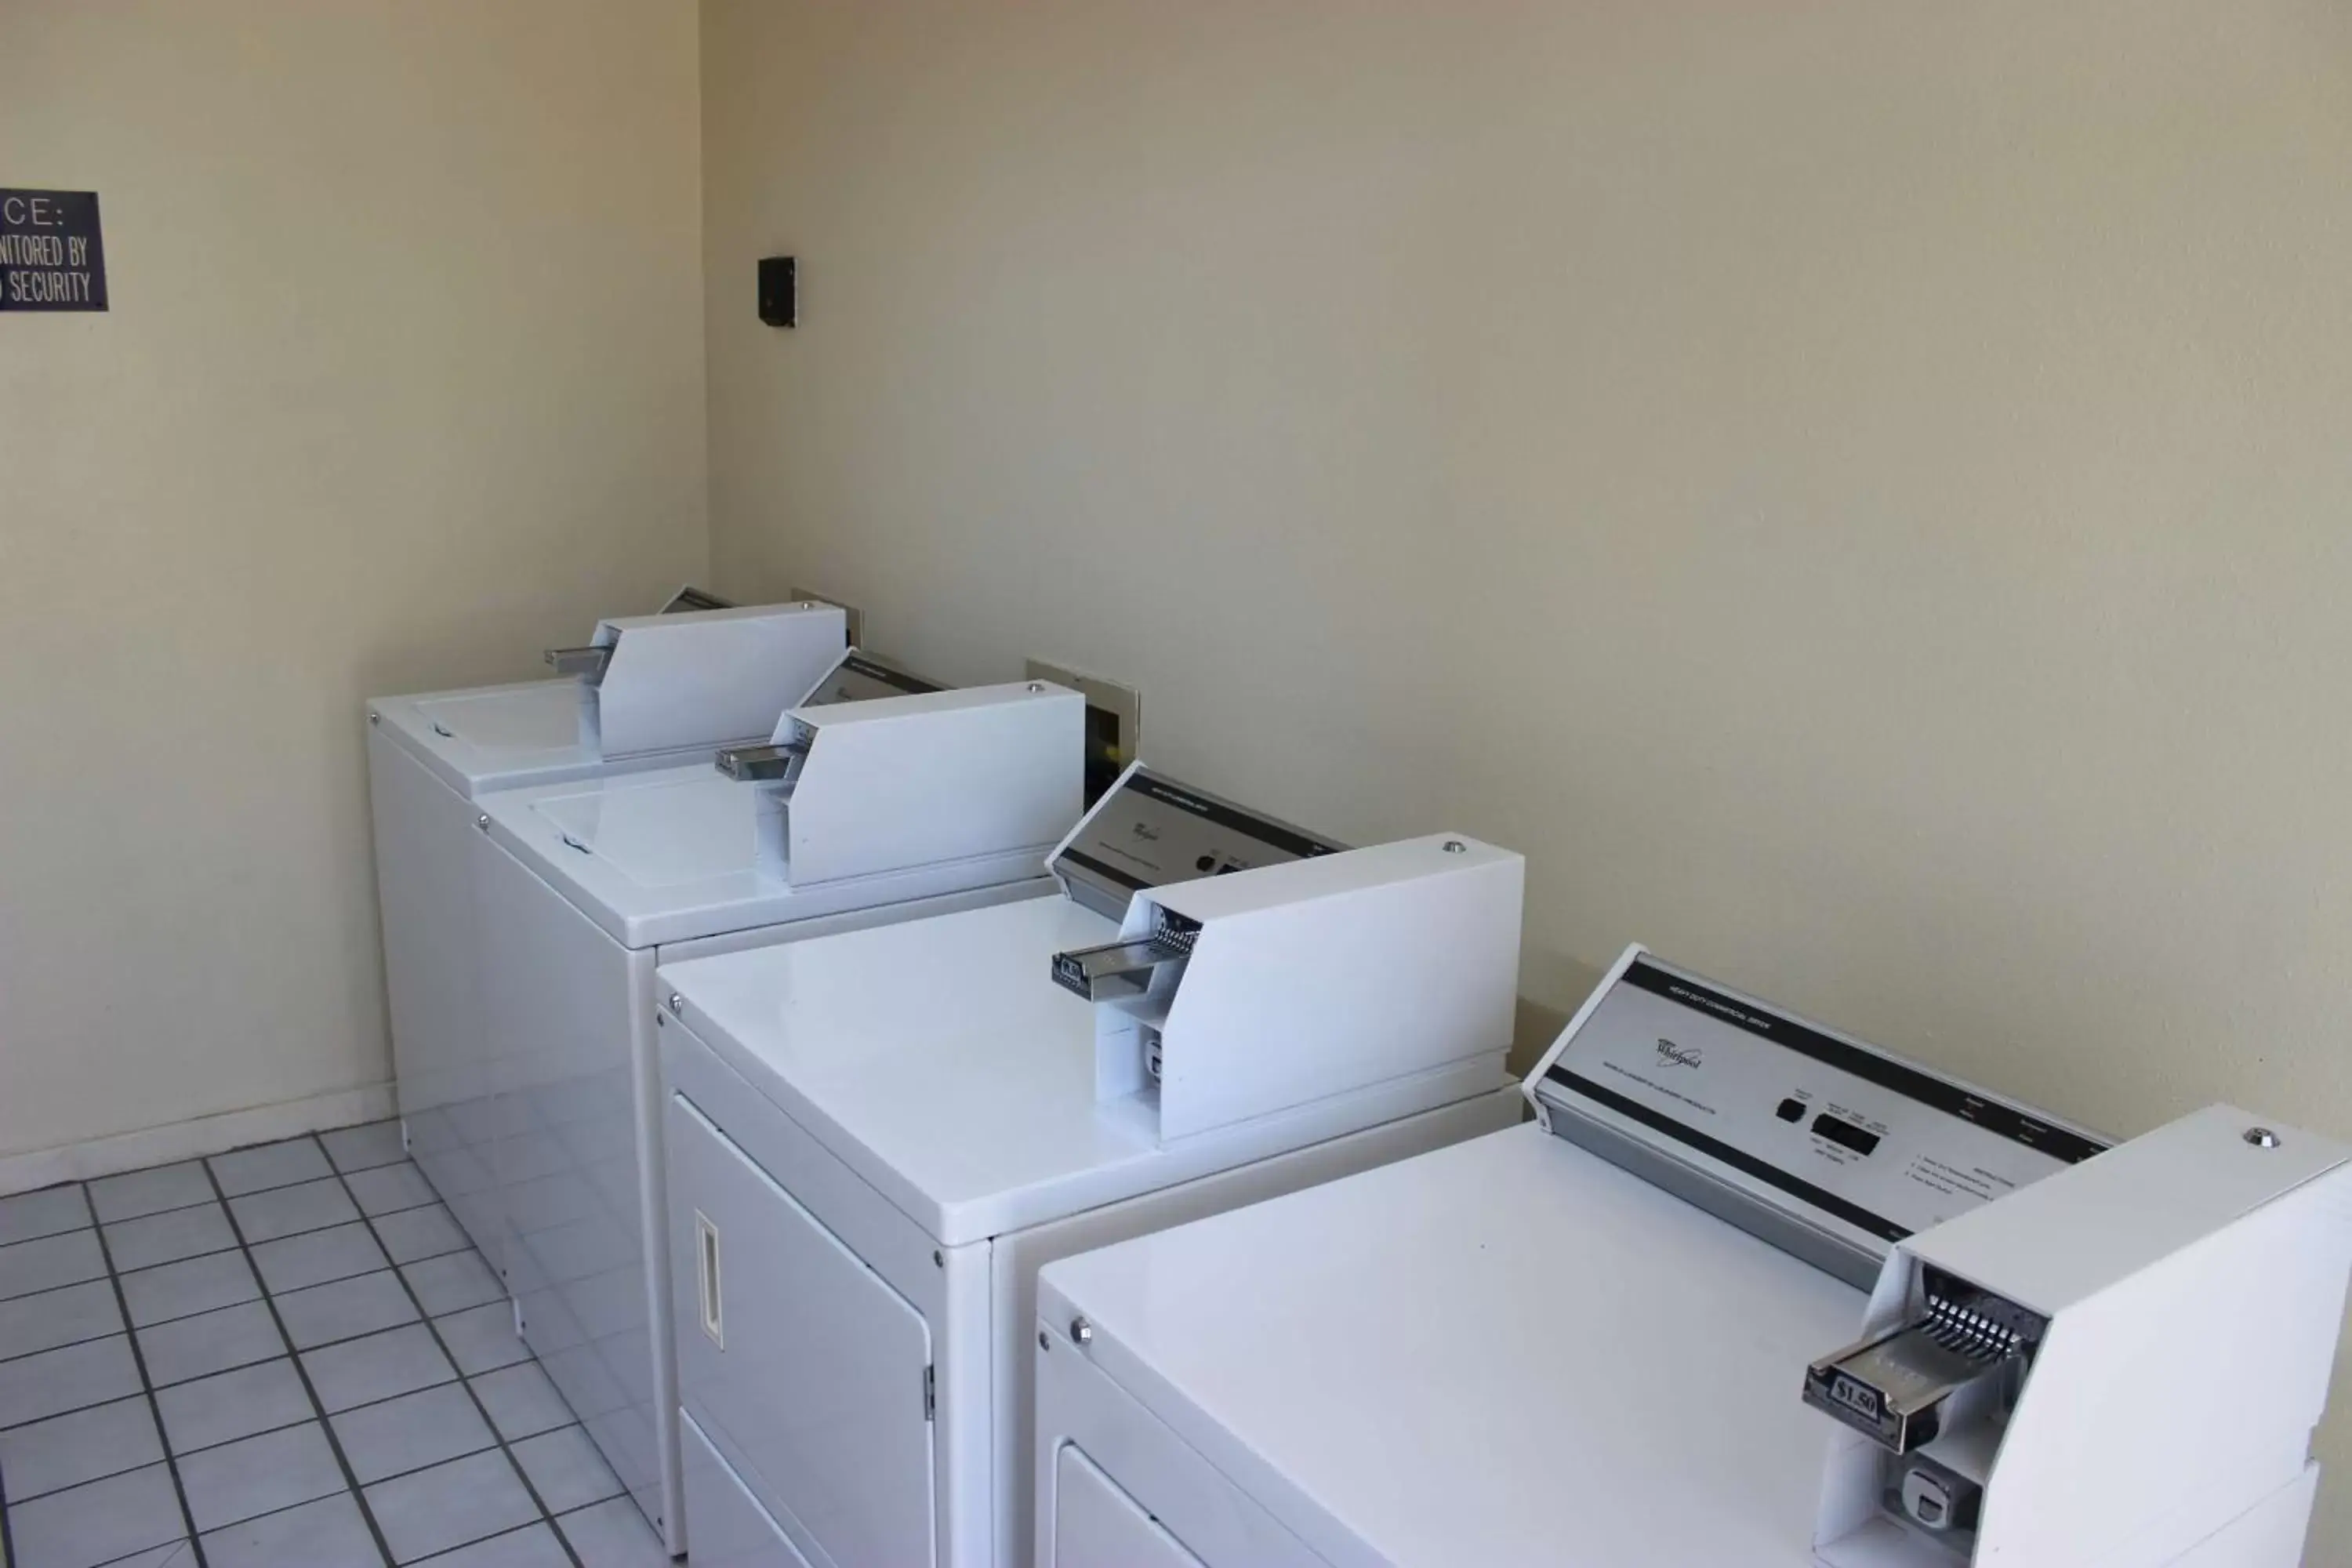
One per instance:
(147, 1387)
(318, 1405)
(501, 1535)
(546, 1514)
(265, 1361)
(151, 1213)
(62, 1344)
(268, 1297)
(7, 1540)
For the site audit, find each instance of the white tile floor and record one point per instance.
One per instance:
(283, 1357)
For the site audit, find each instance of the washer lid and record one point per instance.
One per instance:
(543, 716)
(1507, 1352)
(662, 829)
(937, 1059)
(661, 857)
(493, 736)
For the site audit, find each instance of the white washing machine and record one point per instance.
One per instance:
(1592, 1341)
(645, 692)
(876, 1139)
(882, 798)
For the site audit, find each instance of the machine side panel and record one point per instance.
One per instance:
(424, 842)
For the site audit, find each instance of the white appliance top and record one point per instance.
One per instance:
(492, 737)
(671, 854)
(1505, 1351)
(939, 1060)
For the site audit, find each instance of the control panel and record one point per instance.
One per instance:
(1150, 831)
(860, 677)
(1777, 1115)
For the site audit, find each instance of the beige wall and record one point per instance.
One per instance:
(1857, 491)
(401, 383)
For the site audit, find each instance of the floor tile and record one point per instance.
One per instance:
(413, 1234)
(98, 1522)
(613, 1535)
(62, 1317)
(269, 1165)
(86, 1445)
(533, 1546)
(452, 1282)
(243, 1480)
(151, 1192)
(345, 1310)
(328, 1534)
(450, 1505)
(363, 1148)
(178, 1554)
(228, 1406)
(215, 1341)
(318, 1256)
(288, 1211)
(410, 1432)
(28, 1216)
(350, 1243)
(360, 1371)
(482, 1339)
(184, 1288)
(389, 1188)
(566, 1470)
(50, 1261)
(54, 1381)
(521, 1401)
(167, 1238)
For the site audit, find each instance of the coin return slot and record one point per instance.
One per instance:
(1934, 1394)
(1124, 971)
(588, 663)
(764, 765)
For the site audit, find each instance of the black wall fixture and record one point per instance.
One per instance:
(779, 291)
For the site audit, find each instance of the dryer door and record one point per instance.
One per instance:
(799, 1359)
(1098, 1525)
(723, 1519)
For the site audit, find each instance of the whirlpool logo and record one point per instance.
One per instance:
(1673, 1055)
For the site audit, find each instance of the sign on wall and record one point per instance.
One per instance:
(51, 258)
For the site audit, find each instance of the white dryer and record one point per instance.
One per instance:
(1592, 1342)
(876, 1140)
(645, 692)
(881, 798)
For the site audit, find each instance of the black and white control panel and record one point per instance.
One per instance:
(1783, 1114)
(1151, 831)
(860, 677)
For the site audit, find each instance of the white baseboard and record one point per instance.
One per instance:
(189, 1140)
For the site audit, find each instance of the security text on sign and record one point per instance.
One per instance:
(52, 254)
